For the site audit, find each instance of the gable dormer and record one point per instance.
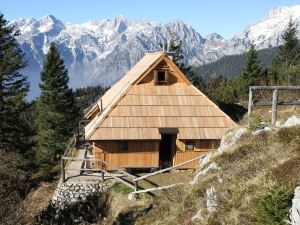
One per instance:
(162, 75)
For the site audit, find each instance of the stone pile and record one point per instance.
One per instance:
(69, 193)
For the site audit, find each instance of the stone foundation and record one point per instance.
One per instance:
(70, 193)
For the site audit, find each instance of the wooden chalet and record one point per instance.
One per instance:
(154, 117)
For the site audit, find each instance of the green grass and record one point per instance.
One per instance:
(122, 189)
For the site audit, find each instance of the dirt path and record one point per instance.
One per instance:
(75, 165)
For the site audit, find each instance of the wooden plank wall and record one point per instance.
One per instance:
(201, 147)
(140, 154)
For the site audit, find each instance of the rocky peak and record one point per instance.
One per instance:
(214, 37)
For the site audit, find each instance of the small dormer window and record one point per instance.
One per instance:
(161, 77)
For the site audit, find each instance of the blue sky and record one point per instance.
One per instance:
(226, 17)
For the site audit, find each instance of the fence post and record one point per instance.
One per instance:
(250, 105)
(274, 106)
(62, 163)
(136, 186)
(78, 133)
(102, 173)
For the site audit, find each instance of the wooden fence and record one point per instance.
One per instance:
(274, 102)
(136, 180)
(102, 163)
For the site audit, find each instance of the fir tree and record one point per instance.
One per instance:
(13, 89)
(250, 73)
(57, 112)
(287, 58)
(289, 53)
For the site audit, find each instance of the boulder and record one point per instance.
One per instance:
(231, 138)
(295, 210)
(292, 121)
(265, 129)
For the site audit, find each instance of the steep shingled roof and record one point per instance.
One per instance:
(136, 111)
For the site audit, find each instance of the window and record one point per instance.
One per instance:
(189, 145)
(161, 77)
(123, 146)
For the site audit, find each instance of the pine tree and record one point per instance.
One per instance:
(287, 58)
(57, 112)
(13, 90)
(250, 73)
(289, 52)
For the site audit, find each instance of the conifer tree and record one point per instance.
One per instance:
(287, 58)
(289, 53)
(57, 112)
(250, 73)
(13, 89)
(178, 59)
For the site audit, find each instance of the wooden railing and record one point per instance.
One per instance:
(102, 170)
(136, 180)
(274, 102)
(71, 146)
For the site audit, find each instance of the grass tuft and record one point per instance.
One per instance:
(122, 188)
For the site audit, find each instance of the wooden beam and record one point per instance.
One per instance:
(292, 102)
(101, 161)
(274, 106)
(83, 169)
(136, 184)
(102, 172)
(250, 104)
(169, 168)
(63, 177)
(275, 87)
(157, 188)
(120, 180)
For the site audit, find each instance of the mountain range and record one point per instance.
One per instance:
(102, 51)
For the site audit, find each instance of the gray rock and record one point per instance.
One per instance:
(197, 217)
(292, 121)
(212, 166)
(231, 138)
(211, 199)
(295, 210)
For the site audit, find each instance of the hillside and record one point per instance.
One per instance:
(226, 189)
(232, 185)
(231, 66)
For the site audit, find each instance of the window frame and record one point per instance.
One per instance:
(188, 143)
(161, 82)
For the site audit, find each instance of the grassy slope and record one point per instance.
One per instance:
(260, 114)
(247, 170)
(23, 193)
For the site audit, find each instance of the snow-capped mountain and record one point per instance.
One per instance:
(101, 51)
(267, 32)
